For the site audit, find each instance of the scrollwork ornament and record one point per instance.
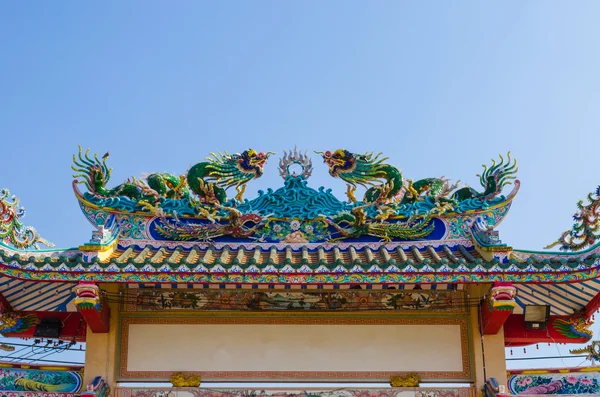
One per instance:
(12, 230)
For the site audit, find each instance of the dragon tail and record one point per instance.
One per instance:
(86, 167)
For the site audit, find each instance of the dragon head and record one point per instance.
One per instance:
(340, 161)
(228, 170)
(574, 327)
(247, 225)
(87, 290)
(251, 161)
(87, 293)
(502, 296)
(356, 169)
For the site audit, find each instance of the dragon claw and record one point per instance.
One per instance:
(241, 190)
(350, 193)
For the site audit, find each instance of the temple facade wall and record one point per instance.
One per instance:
(151, 346)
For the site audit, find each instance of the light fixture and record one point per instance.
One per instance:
(536, 316)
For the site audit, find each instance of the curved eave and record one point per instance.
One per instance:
(444, 257)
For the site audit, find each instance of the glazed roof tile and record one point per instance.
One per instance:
(270, 255)
(447, 256)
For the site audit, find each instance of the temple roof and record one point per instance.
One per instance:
(169, 229)
(412, 240)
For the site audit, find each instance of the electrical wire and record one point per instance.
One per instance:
(26, 346)
(49, 349)
(23, 357)
(37, 350)
(18, 350)
(34, 360)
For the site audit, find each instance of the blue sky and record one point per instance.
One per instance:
(440, 87)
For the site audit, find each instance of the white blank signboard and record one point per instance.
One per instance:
(294, 347)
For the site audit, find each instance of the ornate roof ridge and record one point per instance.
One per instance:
(195, 206)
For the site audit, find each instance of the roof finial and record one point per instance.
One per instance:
(290, 158)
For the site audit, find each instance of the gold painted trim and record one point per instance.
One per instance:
(549, 371)
(98, 247)
(511, 303)
(590, 369)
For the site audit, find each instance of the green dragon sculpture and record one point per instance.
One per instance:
(384, 182)
(585, 231)
(95, 174)
(209, 180)
(388, 192)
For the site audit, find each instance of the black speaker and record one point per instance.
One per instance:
(48, 328)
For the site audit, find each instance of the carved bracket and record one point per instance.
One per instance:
(496, 308)
(92, 306)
